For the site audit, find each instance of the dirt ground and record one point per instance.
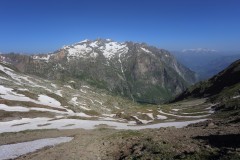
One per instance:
(204, 140)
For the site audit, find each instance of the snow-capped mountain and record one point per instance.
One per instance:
(141, 72)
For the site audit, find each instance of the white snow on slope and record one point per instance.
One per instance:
(161, 117)
(4, 78)
(10, 73)
(68, 86)
(169, 114)
(54, 85)
(94, 44)
(46, 100)
(11, 151)
(38, 123)
(84, 41)
(142, 120)
(78, 104)
(13, 108)
(44, 58)
(236, 97)
(86, 87)
(79, 50)
(9, 94)
(68, 112)
(93, 54)
(112, 48)
(2, 68)
(86, 50)
(146, 50)
(149, 115)
(74, 101)
(120, 61)
(83, 91)
(20, 79)
(59, 92)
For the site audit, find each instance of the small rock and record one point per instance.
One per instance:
(211, 124)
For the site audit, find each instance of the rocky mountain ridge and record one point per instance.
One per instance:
(136, 70)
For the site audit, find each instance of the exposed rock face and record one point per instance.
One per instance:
(138, 71)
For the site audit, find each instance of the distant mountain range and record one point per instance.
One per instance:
(223, 87)
(136, 70)
(205, 62)
(199, 50)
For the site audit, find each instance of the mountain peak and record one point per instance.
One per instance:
(135, 70)
(84, 41)
(92, 48)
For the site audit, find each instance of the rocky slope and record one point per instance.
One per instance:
(135, 70)
(228, 79)
(38, 103)
(223, 89)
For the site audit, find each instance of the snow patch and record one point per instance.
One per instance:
(46, 100)
(59, 92)
(161, 117)
(74, 101)
(43, 58)
(112, 48)
(169, 114)
(83, 91)
(85, 87)
(54, 85)
(234, 97)
(149, 115)
(37, 123)
(84, 41)
(13, 108)
(11, 151)
(146, 50)
(78, 50)
(142, 120)
(94, 44)
(68, 86)
(93, 54)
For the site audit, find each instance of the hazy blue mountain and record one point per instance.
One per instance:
(205, 62)
(223, 86)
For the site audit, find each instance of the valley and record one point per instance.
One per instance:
(35, 103)
(72, 118)
(119, 80)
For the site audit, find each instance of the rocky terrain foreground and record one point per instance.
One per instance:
(215, 138)
(212, 139)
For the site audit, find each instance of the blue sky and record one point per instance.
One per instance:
(34, 26)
